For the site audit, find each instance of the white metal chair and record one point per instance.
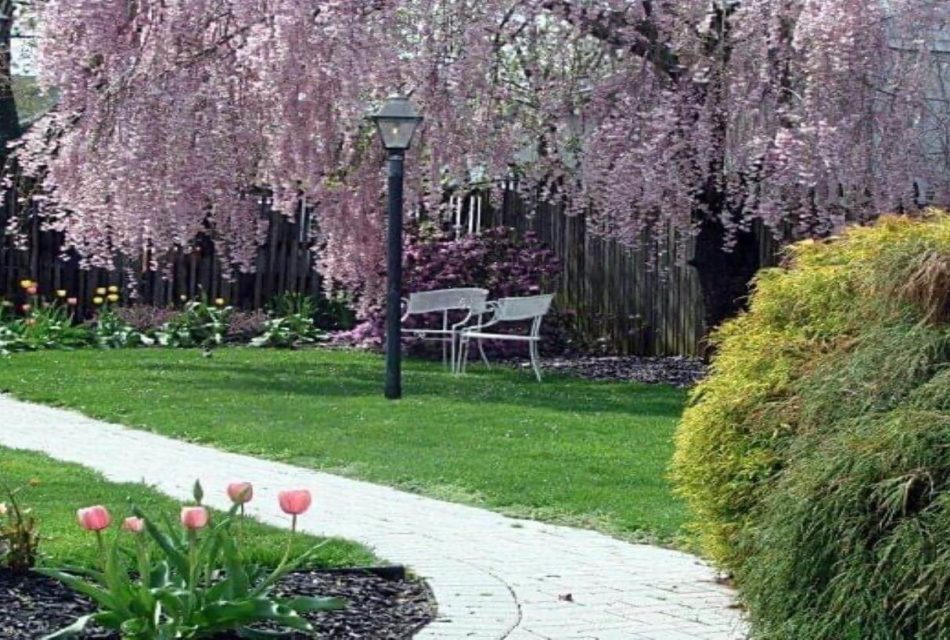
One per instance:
(471, 300)
(532, 308)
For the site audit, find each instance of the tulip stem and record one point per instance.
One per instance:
(192, 558)
(102, 549)
(290, 541)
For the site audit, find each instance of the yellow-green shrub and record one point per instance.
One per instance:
(850, 326)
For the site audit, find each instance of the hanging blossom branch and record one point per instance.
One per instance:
(648, 116)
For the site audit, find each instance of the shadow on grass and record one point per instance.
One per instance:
(424, 380)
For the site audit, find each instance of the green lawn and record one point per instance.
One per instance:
(61, 488)
(566, 450)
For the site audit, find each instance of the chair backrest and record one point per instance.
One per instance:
(513, 309)
(447, 300)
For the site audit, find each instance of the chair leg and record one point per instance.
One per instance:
(452, 362)
(533, 350)
(481, 350)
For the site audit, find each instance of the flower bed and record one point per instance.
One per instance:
(379, 607)
(204, 574)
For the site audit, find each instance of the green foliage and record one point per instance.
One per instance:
(189, 584)
(815, 456)
(109, 331)
(290, 322)
(200, 324)
(19, 534)
(56, 487)
(42, 326)
(569, 450)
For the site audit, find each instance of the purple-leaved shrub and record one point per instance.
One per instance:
(499, 259)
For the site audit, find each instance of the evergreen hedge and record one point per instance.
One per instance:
(816, 456)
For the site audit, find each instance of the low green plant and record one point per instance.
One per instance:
(19, 534)
(109, 331)
(42, 326)
(191, 582)
(290, 323)
(200, 324)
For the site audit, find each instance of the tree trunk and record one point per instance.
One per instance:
(9, 119)
(724, 276)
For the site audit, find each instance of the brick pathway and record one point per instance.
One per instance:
(493, 577)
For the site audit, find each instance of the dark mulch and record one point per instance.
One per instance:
(678, 371)
(380, 606)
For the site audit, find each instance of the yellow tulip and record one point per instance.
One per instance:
(26, 284)
(219, 302)
(113, 289)
(60, 293)
(113, 297)
(97, 300)
(100, 291)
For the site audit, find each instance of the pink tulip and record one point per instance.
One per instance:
(133, 525)
(32, 290)
(240, 492)
(194, 518)
(72, 302)
(94, 518)
(294, 502)
(26, 308)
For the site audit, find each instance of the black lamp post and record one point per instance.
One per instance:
(396, 122)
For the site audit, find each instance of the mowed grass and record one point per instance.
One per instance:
(567, 450)
(54, 490)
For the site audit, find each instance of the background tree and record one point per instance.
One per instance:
(693, 117)
(9, 119)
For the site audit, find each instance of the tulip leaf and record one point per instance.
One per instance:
(102, 597)
(72, 630)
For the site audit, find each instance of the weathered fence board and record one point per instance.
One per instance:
(620, 298)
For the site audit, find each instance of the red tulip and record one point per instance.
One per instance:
(94, 518)
(294, 502)
(194, 518)
(133, 525)
(240, 492)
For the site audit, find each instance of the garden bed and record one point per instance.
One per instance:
(380, 605)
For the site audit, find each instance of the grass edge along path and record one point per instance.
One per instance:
(569, 451)
(54, 490)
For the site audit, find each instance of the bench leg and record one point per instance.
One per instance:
(535, 364)
(481, 350)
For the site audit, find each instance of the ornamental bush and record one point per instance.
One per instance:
(499, 259)
(816, 456)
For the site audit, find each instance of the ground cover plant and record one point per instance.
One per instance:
(815, 456)
(567, 450)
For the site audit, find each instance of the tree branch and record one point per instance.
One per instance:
(611, 27)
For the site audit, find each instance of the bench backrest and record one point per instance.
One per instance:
(447, 300)
(512, 309)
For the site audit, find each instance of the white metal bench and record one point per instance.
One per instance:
(532, 308)
(444, 301)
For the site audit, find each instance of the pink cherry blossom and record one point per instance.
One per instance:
(647, 117)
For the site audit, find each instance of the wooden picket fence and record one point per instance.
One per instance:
(619, 299)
